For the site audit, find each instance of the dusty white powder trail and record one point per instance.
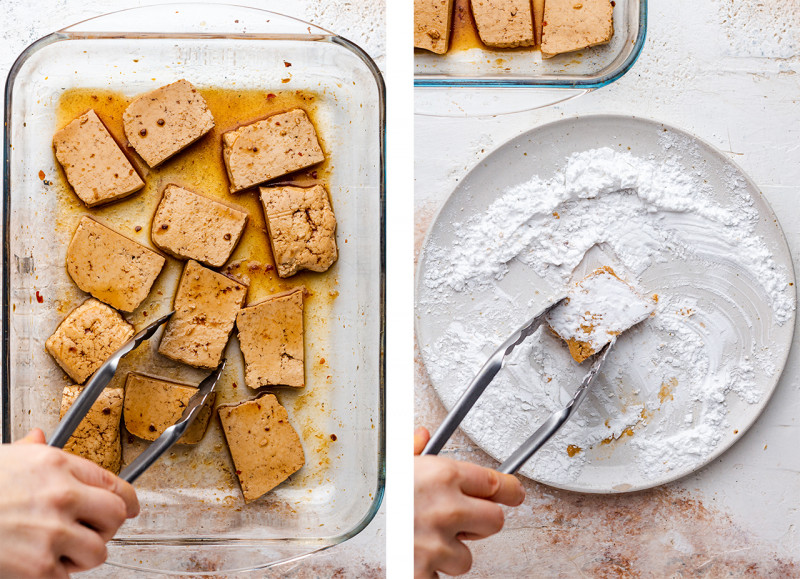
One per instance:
(664, 401)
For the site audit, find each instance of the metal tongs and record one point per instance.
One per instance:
(485, 376)
(88, 396)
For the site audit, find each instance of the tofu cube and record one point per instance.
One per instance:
(164, 121)
(97, 436)
(504, 23)
(153, 404)
(271, 339)
(189, 226)
(301, 227)
(111, 267)
(597, 308)
(205, 307)
(265, 448)
(93, 162)
(571, 25)
(270, 148)
(87, 337)
(432, 19)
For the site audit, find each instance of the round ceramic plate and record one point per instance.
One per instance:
(678, 389)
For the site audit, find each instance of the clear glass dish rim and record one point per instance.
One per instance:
(594, 83)
(322, 35)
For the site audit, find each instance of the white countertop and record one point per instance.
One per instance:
(727, 72)
(23, 22)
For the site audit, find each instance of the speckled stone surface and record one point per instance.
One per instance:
(22, 22)
(726, 71)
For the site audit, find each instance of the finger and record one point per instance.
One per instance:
(486, 483)
(482, 519)
(457, 560)
(102, 510)
(82, 549)
(421, 438)
(35, 436)
(89, 473)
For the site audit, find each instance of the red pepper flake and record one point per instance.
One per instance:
(235, 385)
(269, 267)
(138, 228)
(287, 64)
(41, 175)
(322, 360)
(39, 297)
(238, 472)
(333, 437)
(313, 174)
(271, 96)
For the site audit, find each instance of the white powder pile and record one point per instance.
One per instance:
(664, 392)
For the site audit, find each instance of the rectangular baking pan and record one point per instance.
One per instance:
(193, 517)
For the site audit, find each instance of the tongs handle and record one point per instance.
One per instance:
(557, 419)
(482, 379)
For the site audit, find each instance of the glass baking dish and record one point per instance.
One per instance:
(524, 67)
(193, 519)
(486, 73)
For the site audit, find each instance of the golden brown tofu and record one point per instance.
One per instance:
(205, 307)
(111, 267)
(87, 337)
(504, 23)
(164, 121)
(432, 19)
(93, 163)
(265, 448)
(270, 148)
(572, 25)
(189, 226)
(271, 339)
(97, 436)
(153, 404)
(301, 227)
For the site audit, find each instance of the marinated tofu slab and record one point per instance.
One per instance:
(95, 166)
(189, 226)
(111, 267)
(504, 23)
(271, 339)
(270, 148)
(432, 19)
(205, 307)
(301, 227)
(570, 25)
(163, 122)
(153, 404)
(87, 337)
(265, 448)
(97, 436)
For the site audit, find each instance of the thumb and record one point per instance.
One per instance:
(421, 438)
(35, 436)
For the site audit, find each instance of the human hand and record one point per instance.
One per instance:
(57, 510)
(453, 502)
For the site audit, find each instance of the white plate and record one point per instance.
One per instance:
(733, 318)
